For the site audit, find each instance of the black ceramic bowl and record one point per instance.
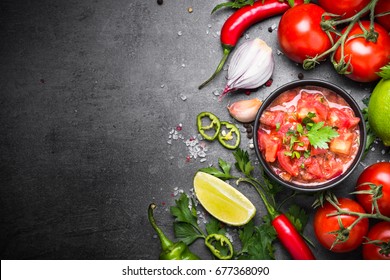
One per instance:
(352, 103)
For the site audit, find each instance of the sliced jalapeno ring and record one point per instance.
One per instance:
(223, 243)
(214, 124)
(233, 134)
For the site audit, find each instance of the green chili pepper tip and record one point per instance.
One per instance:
(170, 250)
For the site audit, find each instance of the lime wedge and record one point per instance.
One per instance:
(222, 201)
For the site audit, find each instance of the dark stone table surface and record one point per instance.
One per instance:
(92, 93)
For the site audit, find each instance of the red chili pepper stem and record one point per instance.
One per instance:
(226, 51)
(286, 231)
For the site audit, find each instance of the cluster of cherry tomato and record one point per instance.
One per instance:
(301, 35)
(346, 232)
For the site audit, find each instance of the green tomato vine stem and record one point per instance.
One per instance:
(329, 25)
(376, 215)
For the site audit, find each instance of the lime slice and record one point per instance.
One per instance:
(222, 201)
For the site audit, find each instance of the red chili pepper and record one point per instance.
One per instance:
(291, 239)
(288, 235)
(241, 20)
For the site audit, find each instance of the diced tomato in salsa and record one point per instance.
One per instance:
(269, 144)
(287, 164)
(342, 144)
(285, 143)
(331, 168)
(312, 103)
(302, 144)
(317, 151)
(342, 118)
(312, 166)
(271, 119)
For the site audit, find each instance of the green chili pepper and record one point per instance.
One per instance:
(225, 138)
(214, 124)
(221, 240)
(170, 250)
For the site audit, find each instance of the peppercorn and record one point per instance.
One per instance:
(160, 2)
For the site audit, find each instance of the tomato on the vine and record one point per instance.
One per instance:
(326, 227)
(377, 246)
(343, 8)
(365, 57)
(300, 34)
(377, 174)
(383, 6)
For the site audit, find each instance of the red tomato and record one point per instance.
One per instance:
(344, 8)
(324, 225)
(313, 167)
(299, 33)
(287, 164)
(331, 168)
(378, 174)
(342, 118)
(313, 103)
(269, 144)
(343, 143)
(272, 118)
(366, 57)
(380, 250)
(381, 7)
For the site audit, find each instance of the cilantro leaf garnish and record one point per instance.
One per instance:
(257, 241)
(182, 211)
(385, 72)
(309, 118)
(186, 232)
(298, 217)
(236, 4)
(242, 162)
(319, 135)
(222, 173)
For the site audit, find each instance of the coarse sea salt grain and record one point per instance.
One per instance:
(196, 147)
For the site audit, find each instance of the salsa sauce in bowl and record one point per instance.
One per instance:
(309, 135)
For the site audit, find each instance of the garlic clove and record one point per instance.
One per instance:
(245, 110)
(252, 65)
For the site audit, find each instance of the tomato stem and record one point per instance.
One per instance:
(329, 25)
(376, 215)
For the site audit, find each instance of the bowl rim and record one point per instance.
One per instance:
(352, 103)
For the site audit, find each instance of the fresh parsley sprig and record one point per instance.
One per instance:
(385, 72)
(319, 135)
(236, 4)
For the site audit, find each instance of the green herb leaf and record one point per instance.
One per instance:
(242, 162)
(319, 135)
(272, 187)
(235, 4)
(214, 226)
(257, 241)
(385, 72)
(309, 118)
(370, 134)
(291, 3)
(186, 232)
(277, 125)
(182, 212)
(223, 173)
(298, 217)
